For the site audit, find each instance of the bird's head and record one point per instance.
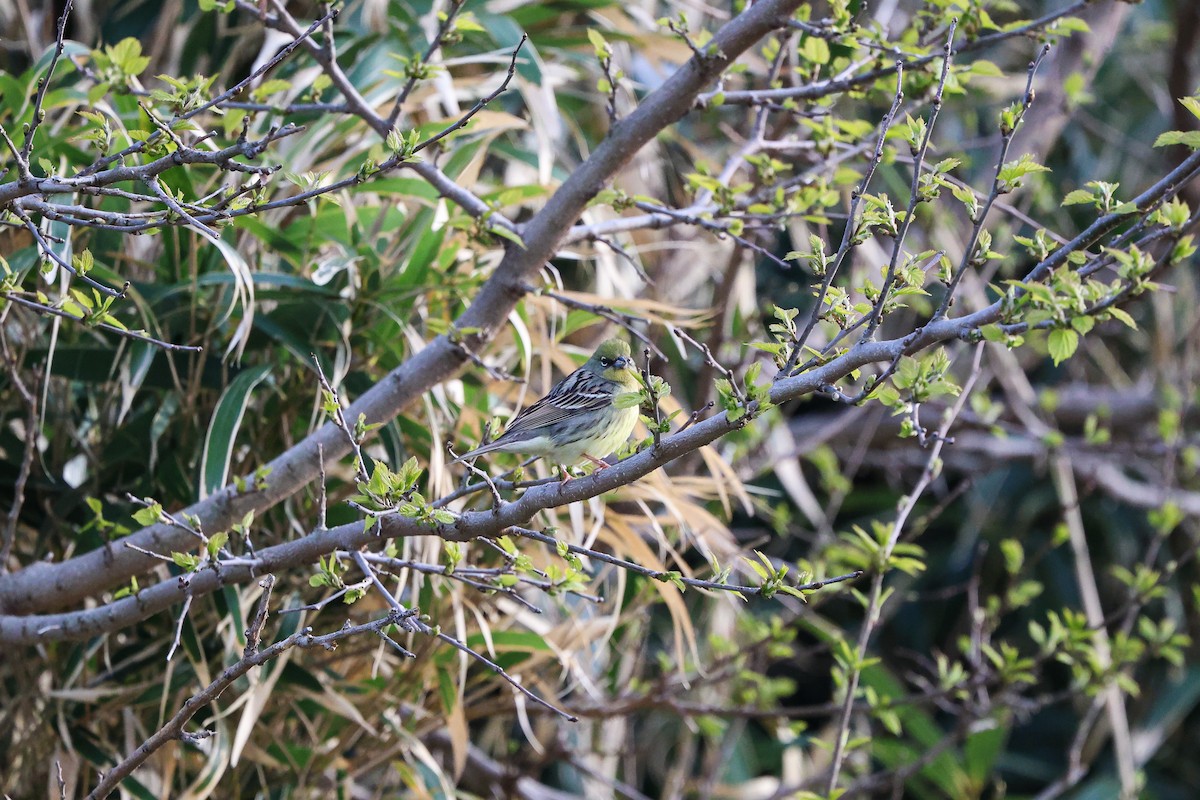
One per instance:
(612, 359)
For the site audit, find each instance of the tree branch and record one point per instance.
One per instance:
(43, 586)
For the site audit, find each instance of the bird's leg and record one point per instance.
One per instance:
(600, 464)
(567, 476)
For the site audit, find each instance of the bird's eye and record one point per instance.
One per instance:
(604, 362)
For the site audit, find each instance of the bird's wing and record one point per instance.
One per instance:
(579, 392)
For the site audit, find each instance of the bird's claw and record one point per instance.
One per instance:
(600, 463)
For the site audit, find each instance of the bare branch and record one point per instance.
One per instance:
(875, 595)
(94, 571)
(123, 332)
(44, 86)
(914, 198)
(174, 729)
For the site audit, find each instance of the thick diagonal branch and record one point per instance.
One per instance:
(45, 586)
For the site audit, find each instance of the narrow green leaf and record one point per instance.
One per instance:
(223, 428)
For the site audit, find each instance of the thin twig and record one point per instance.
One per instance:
(44, 84)
(417, 625)
(712, 362)
(845, 82)
(674, 576)
(850, 232)
(50, 253)
(626, 320)
(183, 612)
(123, 332)
(497, 500)
(652, 398)
(877, 309)
(998, 186)
(434, 45)
(875, 595)
(233, 91)
(1089, 592)
(335, 410)
(174, 729)
(480, 104)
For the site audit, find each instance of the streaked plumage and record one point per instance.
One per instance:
(578, 419)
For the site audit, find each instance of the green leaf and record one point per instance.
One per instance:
(409, 474)
(216, 542)
(992, 333)
(628, 400)
(1071, 25)
(223, 429)
(1077, 197)
(1083, 324)
(986, 68)
(1186, 138)
(599, 43)
(186, 561)
(815, 50)
(752, 373)
(505, 233)
(1012, 171)
(148, 515)
(268, 88)
(1192, 104)
(1063, 343)
(467, 22)
(127, 56)
(1123, 316)
(981, 750)
(394, 141)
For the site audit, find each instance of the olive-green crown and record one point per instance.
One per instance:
(611, 349)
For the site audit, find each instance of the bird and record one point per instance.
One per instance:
(579, 417)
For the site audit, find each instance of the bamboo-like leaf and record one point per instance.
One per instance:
(223, 429)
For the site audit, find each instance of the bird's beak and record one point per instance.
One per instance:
(623, 362)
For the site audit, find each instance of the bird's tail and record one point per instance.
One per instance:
(478, 451)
